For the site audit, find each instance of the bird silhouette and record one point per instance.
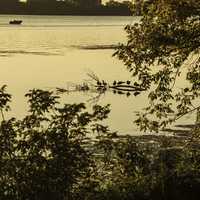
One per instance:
(99, 83)
(104, 83)
(120, 92)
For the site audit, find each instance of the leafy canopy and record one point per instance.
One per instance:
(162, 52)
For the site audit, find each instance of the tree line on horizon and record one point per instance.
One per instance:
(65, 7)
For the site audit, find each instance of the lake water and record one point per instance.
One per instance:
(53, 51)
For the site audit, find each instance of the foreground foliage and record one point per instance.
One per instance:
(62, 152)
(165, 169)
(43, 155)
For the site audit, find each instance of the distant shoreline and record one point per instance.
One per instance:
(68, 14)
(46, 14)
(37, 9)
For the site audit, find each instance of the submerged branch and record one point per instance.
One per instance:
(99, 86)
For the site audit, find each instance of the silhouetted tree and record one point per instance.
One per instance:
(159, 49)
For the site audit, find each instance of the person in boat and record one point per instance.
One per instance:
(15, 22)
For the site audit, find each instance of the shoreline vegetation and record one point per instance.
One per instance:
(75, 7)
(50, 155)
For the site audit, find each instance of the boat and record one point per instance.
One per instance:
(15, 22)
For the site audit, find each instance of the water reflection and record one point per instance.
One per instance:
(48, 51)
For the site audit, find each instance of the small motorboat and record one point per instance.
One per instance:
(15, 22)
